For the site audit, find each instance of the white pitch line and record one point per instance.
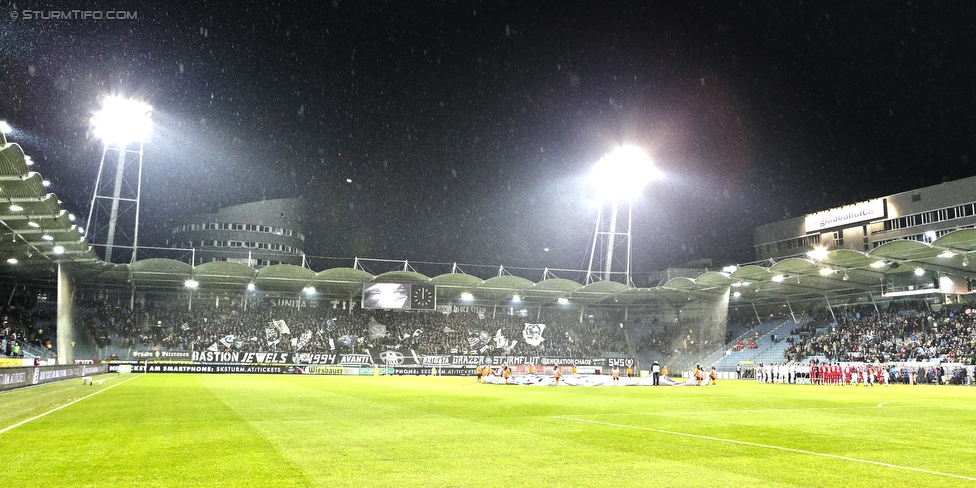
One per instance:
(767, 446)
(893, 401)
(12, 427)
(762, 410)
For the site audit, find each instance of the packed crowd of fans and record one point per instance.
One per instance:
(892, 335)
(263, 326)
(24, 324)
(898, 333)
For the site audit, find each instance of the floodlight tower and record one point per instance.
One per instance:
(120, 123)
(619, 177)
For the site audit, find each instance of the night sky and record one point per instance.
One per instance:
(467, 128)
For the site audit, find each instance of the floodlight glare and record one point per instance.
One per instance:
(919, 271)
(191, 283)
(12, 260)
(878, 264)
(122, 121)
(5, 127)
(778, 278)
(826, 271)
(623, 173)
(58, 249)
(818, 253)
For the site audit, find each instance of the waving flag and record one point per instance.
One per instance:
(271, 335)
(303, 340)
(376, 329)
(348, 340)
(532, 334)
(281, 326)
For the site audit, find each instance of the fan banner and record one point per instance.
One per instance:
(407, 358)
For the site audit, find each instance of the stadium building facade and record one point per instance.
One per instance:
(255, 234)
(921, 215)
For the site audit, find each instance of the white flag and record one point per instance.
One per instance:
(303, 341)
(281, 326)
(532, 334)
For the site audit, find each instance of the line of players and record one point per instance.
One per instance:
(862, 375)
(505, 372)
(823, 374)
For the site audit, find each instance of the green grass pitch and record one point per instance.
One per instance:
(289, 430)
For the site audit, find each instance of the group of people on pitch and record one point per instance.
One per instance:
(700, 376)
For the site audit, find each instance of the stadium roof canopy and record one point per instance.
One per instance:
(36, 232)
(37, 235)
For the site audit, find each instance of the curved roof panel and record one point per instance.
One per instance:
(341, 281)
(598, 291)
(962, 240)
(713, 278)
(502, 287)
(404, 277)
(905, 250)
(751, 273)
(224, 273)
(152, 271)
(348, 275)
(456, 280)
(849, 258)
(283, 277)
(795, 266)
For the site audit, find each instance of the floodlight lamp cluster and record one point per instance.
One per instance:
(623, 173)
(122, 121)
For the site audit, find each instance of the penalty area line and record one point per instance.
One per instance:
(768, 446)
(22, 422)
